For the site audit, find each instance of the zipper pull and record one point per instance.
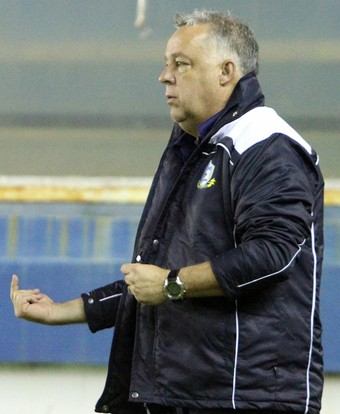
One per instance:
(147, 408)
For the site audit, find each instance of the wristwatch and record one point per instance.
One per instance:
(173, 286)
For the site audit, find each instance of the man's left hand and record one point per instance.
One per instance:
(145, 282)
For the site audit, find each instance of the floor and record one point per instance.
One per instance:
(75, 390)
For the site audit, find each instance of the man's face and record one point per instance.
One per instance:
(192, 78)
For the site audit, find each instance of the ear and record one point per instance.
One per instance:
(228, 72)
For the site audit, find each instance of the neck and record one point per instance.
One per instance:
(190, 129)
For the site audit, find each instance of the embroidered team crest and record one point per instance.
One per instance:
(206, 180)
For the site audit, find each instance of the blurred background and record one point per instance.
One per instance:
(78, 76)
(81, 108)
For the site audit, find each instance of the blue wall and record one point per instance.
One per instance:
(67, 249)
(64, 249)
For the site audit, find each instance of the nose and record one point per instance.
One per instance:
(166, 76)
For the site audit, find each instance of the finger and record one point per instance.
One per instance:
(15, 282)
(21, 296)
(33, 299)
(128, 280)
(125, 268)
(14, 285)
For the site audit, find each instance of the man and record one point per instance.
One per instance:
(219, 312)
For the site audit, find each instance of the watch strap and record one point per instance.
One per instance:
(172, 276)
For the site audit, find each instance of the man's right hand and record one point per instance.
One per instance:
(35, 306)
(31, 305)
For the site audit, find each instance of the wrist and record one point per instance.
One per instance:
(67, 312)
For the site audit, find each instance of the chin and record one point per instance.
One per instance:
(176, 117)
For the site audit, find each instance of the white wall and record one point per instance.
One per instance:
(50, 390)
(73, 390)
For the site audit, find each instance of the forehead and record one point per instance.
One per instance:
(187, 40)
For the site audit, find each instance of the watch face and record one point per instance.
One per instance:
(174, 289)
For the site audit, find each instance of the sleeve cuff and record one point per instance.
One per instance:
(101, 305)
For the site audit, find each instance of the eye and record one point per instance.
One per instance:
(182, 65)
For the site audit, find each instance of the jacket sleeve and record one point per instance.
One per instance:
(101, 305)
(272, 196)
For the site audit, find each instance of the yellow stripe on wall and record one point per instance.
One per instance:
(97, 190)
(74, 189)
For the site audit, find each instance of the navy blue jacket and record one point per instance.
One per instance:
(249, 199)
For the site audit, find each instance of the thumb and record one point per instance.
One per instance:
(125, 268)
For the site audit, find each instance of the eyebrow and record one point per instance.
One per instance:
(178, 54)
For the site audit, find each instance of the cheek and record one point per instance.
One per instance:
(199, 96)
(191, 89)
(196, 93)
(209, 90)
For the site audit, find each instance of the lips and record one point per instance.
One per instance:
(170, 98)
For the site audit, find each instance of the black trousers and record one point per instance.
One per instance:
(168, 410)
(231, 411)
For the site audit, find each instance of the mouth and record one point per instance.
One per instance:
(170, 98)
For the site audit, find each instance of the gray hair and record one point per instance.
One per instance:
(228, 35)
